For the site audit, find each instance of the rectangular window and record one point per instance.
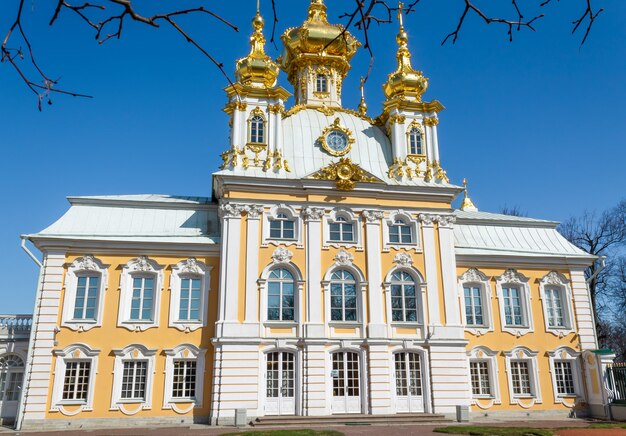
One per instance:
(520, 378)
(184, 379)
(86, 298)
(189, 299)
(143, 299)
(134, 380)
(479, 374)
(342, 232)
(513, 307)
(554, 306)
(76, 381)
(282, 229)
(564, 378)
(473, 306)
(400, 234)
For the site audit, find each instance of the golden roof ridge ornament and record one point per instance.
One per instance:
(467, 205)
(345, 174)
(257, 69)
(405, 82)
(362, 105)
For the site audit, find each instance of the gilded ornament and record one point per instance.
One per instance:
(397, 119)
(431, 121)
(336, 127)
(428, 176)
(345, 173)
(467, 202)
(276, 108)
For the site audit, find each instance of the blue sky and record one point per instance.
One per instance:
(537, 123)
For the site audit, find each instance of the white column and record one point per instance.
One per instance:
(252, 264)
(314, 323)
(376, 327)
(435, 140)
(229, 267)
(271, 131)
(278, 126)
(448, 271)
(236, 127)
(585, 322)
(430, 265)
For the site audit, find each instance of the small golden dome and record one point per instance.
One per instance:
(257, 69)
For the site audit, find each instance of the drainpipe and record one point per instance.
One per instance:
(31, 342)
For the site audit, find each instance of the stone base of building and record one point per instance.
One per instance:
(103, 423)
(524, 415)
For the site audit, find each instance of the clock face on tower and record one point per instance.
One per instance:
(336, 140)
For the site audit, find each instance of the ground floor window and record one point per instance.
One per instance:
(479, 374)
(76, 381)
(564, 378)
(520, 378)
(184, 380)
(134, 380)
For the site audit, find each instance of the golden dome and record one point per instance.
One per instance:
(316, 38)
(405, 82)
(257, 69)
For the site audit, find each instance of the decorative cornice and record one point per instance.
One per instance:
(254, 210)
(373, 216)
(427, 219)
(446, 220)
(231, 210)
(431, 121)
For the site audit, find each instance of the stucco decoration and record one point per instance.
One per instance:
(231, 210)
(282, 255)
(312, 213)
(403, 260)
(372, 216)
(343, 258)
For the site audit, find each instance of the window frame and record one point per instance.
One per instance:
(9, 371)
(281, 281)
(187, 352)
(74, 352)
(254, 113)
(135, 268)
(272, 216)
(523, 354)
(86, 265)
(349, 218)
(282, 259)
(556, 280)
(513, 278)
(404, 264)
(343, 282)
(566, 354)
(344, 261)
(409, 221)
(485, 354)
(322, 78)
(415, 126)
(402, 283)
(132, 353)
(190, 268)
(473, 277)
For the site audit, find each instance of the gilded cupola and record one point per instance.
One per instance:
(317, 57)
(406, 82)
(257, 69)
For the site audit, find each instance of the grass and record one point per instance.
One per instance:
(295, 432)
(494, 431)
(607, 425)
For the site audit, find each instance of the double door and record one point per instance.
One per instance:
(280, 376)
(346, 383)
(408, 372)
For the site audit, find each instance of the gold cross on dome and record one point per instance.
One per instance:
(400, 8)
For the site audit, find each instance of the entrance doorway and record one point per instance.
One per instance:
(346, 386)
(281, 371)
(409, 395)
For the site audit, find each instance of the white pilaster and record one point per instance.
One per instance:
(376, 327)
(380, 368)
(430, 265)
(235, 136)
(585, 318)
(252, 264)
(448, 271)
(435, 140)
(314, 322)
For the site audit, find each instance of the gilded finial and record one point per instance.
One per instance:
(362, 104)
(467, 202)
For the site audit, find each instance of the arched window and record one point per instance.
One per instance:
(400, 232)
(282, 227)
(321, 83)
(11, 376)
(403, 298)
(343, 296)
(341, 230)
(415, 141)
(257, 129)
(280, 296)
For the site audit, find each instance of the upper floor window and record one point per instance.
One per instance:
(475, 294)
(400, 232)
(141, 283)
(341, 230)
(257, 129)
(87, 289)
(142, 303)
(282, 227)
(190, 299)
(557, 299)
(416, 141)
(514, 299)
(513, 312)
(554, 307)
(85, 283)
(473, 306)
(280, 296)
(321, 83)
(343, 296)
(403, 298)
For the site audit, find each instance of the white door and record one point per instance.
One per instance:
(280, 377)
(11, 378)
(409, 395)
(346, 392)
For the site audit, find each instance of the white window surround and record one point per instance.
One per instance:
(193, 269)
(183, 352)
(516, 279)
(413, 224)
(408, 346)
(130, 353)
(139, 267)
(74, 352)
(281, 258)
(351, 218)
(566, 354)
(404, 263)
(281, 346)
(556, 280)
(530, 357)
(475, 278)
(271, 215)
(343, 261)
(87, 265)
(484, 354)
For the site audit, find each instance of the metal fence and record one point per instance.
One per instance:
(616, 380)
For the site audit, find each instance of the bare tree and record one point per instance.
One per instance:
(107, 19)
(512, 211)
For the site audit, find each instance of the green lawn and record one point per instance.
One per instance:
(294, 432)
(608, 425)
(494, 431)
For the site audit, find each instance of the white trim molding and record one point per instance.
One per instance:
(412, 223)
(73, 353)
(186, 352)
(566, 354)
(523, 354)
(475, 278)
(189, 269)
(139, 267)
(557, 281)
(351, 218)
(132, 353)
(484, 354)
(272, 215)
(89, 266)
(520, 281)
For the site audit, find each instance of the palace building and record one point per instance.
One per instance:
(328, 273)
